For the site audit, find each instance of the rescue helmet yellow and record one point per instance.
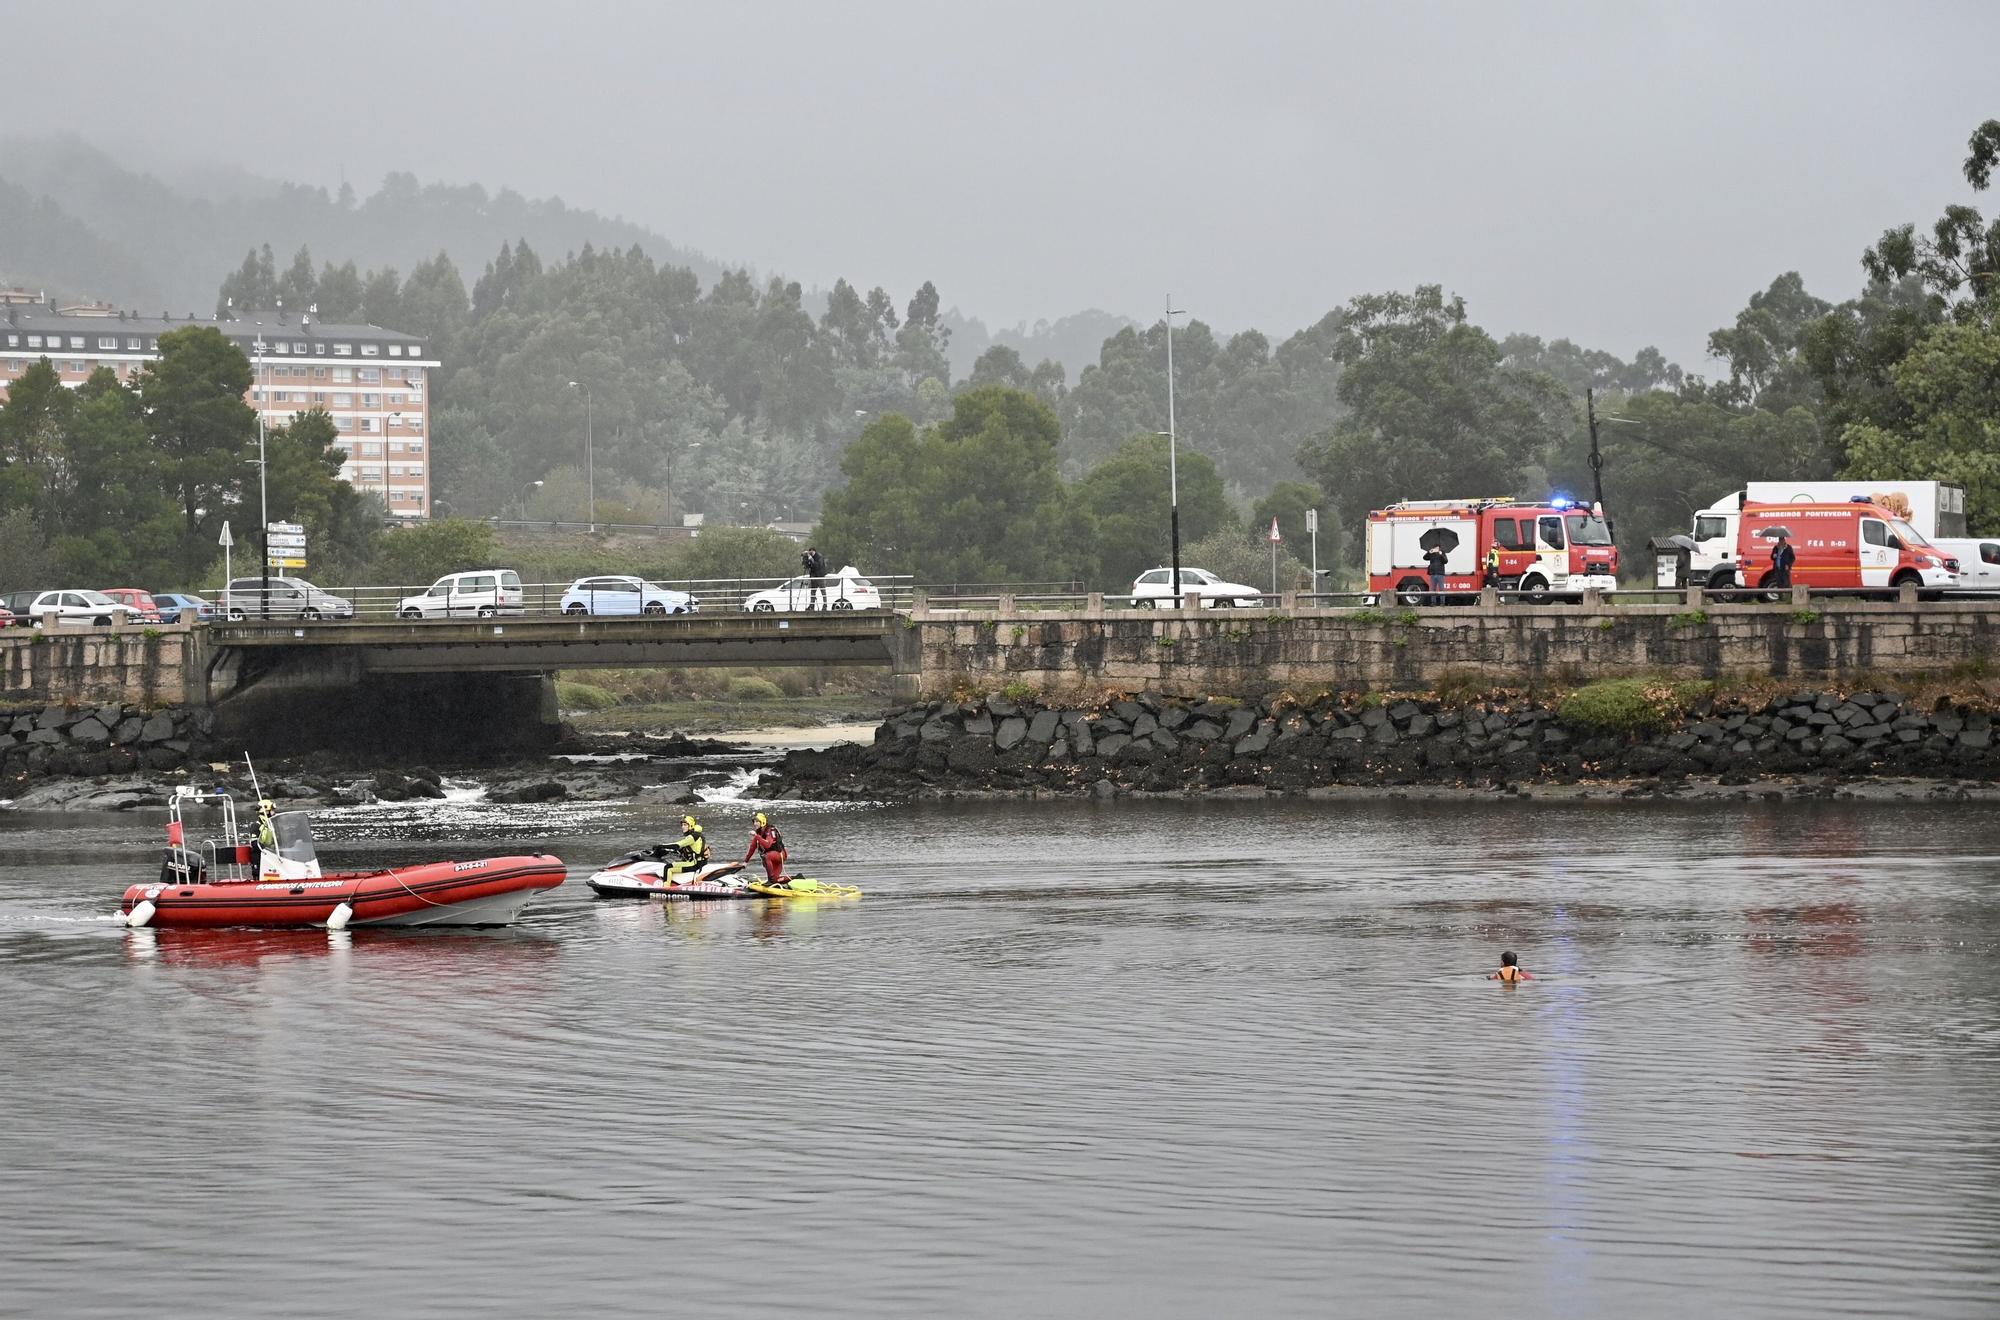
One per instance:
(690, 823)
(265, 807)
(762, 819)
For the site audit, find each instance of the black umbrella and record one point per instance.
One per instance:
(1773, 533)
(1439, 538)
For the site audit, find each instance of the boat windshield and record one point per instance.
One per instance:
(295, 836)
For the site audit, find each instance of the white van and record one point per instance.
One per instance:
(481, 593)
(1978, 562)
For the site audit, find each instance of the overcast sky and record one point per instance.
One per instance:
(1620, 173)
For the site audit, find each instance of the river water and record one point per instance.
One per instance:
(1122, 1059)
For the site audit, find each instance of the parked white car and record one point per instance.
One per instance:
(1155, 588)
(479, 594)
(625, 595)
(76, 609)
(845, 590)
(1978, 562)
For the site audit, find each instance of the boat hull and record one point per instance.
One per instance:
(488, 892)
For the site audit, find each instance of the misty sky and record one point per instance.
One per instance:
(1616, 173)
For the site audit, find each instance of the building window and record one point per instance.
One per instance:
(414, 351)
(107, 343)
(371, 350)
(319, 396)
(76, 341)
(13, 341)
(343, 350)
(343, 423)
(395, 400)
(371, 375)
(319, 373)
(34, 341)
(343, 400)
(320, 349)
(132, 343)
(79, 367)
(395, 350)
(415, 424)
(371, 401)
(343, 375)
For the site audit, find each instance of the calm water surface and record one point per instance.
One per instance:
(1120, 1060)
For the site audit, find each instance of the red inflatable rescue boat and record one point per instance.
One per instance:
(230, 881)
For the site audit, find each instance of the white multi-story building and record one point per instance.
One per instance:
(373, 382)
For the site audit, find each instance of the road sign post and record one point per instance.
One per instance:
(1312, 527)
(226, 540)
(1275, 538)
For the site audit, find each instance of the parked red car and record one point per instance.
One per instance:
(6, 617)
(142, 601)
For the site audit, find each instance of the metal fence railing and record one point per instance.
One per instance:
(609, 595)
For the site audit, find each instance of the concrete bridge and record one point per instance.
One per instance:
(470, 685)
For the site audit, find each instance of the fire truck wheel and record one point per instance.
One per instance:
(1412, 591)
(1536, 590)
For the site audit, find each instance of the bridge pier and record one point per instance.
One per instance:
(413, 716)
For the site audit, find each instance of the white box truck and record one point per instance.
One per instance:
(1934, 508)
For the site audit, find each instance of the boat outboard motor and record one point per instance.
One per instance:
(182, 866)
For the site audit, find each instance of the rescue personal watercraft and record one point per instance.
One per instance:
(643, 874)
(232, 881)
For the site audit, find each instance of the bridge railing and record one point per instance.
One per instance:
(545, 599)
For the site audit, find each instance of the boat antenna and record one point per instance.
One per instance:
(255, 792)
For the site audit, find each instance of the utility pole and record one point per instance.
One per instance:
(1173, 460)
(1597, 462)
(589, 454)
(1312, 526)
(263, 492)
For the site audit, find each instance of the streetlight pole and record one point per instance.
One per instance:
(263, 491)
(589, 457)
(1173, 460)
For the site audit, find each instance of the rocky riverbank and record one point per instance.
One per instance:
(1643, 741)
(78, 776)
(67, 741)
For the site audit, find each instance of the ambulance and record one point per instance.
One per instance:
(1935, 508)
(1543, 550)
(1844, 545)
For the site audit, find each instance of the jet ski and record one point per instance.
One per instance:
(643, 874)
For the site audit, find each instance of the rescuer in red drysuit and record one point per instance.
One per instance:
(765, 838)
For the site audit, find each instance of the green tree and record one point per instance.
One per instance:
(201, 432)
(110, 519)
(339, 293)
(1951, 386)
(33, 424)
(1287, 502)
(304, 486)
(298, 286)
(1958, 262)
(736, 552)
(252, 287)
(1434, 414)
(420, 555)
(975, 498)
(1126, 502)
(27, 562)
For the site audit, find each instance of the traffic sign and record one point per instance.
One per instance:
(276, 562)
(1275, 538)
(225, 540)
(1312, 520)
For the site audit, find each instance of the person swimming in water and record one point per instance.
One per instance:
(1510, 970)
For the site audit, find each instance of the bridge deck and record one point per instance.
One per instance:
(522, 644)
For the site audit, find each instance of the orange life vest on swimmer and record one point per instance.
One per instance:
(1511, 973)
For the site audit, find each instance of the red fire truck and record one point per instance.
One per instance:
(1546, 549)
(1849, 544)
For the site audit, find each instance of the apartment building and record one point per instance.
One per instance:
(373, 382)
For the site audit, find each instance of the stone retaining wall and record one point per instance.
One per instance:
(161, 665)
(1395, 649)
(112, 738)
(1162, 744)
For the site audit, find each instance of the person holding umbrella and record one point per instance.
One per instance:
(1782, 559)
(1434, 560)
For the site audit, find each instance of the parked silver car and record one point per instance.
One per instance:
(291, 598)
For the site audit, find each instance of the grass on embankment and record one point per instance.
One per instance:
(705, 700)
